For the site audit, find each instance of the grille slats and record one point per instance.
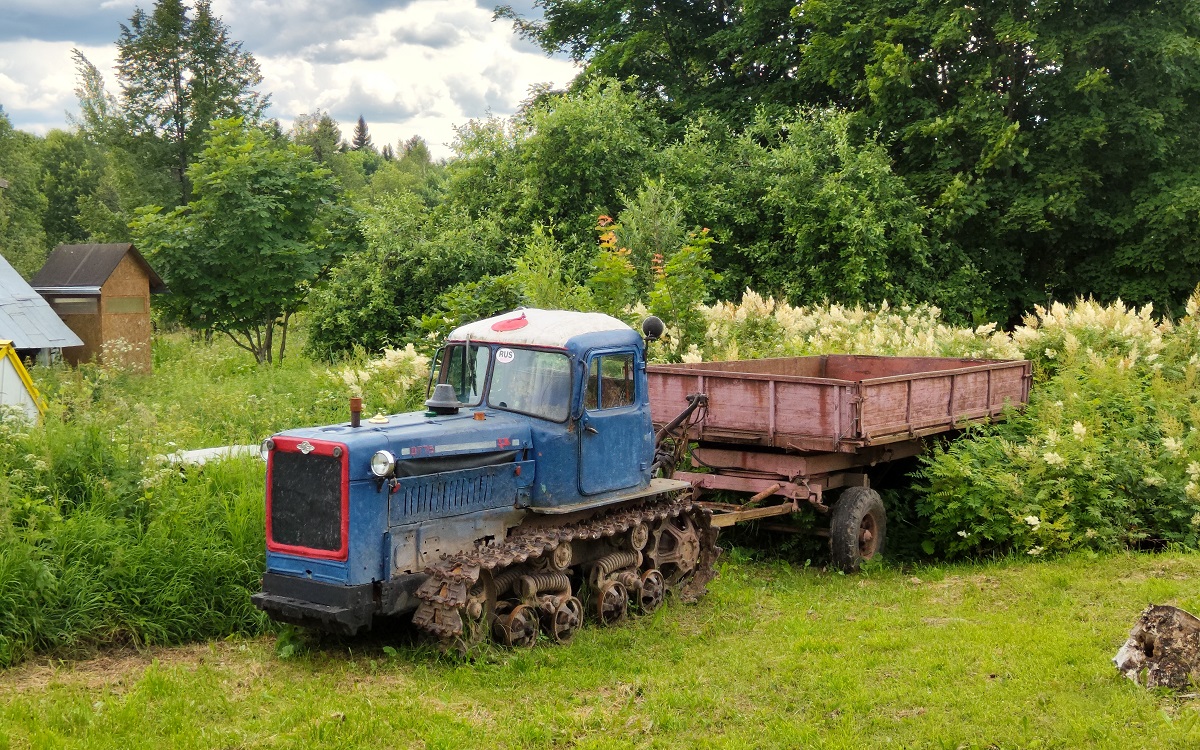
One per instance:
(306, 501)
(447, 497)
(451, 494)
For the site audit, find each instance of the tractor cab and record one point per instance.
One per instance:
(578, 378)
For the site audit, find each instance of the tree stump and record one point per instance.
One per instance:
(1163, 649)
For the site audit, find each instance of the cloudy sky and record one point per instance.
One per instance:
(409, 67)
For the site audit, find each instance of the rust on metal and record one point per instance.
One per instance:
(837, 403)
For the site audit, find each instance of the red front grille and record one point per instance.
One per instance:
(308, 498)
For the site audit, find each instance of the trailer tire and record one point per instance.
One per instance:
(858, 530)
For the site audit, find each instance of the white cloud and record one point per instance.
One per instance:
(409, 67)
(37, 81)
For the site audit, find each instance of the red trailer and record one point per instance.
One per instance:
(788, 430)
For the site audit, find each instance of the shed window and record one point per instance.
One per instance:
(123, 305)
(75, 305)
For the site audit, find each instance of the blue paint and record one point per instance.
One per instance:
(558, 462)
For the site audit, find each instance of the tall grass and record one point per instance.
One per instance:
(101, 540)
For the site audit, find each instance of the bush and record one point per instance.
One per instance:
(762, 327)
(1106, 456)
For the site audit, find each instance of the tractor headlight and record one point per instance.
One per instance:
(382, 463)
(265, 449)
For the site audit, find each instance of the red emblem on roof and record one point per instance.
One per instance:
(511, 324)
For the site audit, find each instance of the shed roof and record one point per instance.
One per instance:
(86, 267)
(26, 318)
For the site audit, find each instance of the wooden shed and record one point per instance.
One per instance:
(102, 292)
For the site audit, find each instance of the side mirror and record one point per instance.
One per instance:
(652, 328)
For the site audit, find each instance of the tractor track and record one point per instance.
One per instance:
(458, 601)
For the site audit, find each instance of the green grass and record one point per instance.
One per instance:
(101, 545)
(1006, 655)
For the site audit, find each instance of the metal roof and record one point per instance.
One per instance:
(534, 327)
(71, 267)
(26, 318)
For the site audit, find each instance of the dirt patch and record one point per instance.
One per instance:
(118, 668)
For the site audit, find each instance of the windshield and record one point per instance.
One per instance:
(465, 368)
(532, 382)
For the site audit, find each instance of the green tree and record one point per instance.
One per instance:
(362, 138)
(179, 71)
(71, 170)
(849, 229)
(541, 278)
(128, 171)
(1056, 142)
(651, 225)
(682, 281)
(562, 162)
(1052, 144)
(319, 132)
(723, 56)
(240, 256)
(375, 297)
(22, 204)
(414, 171)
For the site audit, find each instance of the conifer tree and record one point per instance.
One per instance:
(320, 132)
(362, 139)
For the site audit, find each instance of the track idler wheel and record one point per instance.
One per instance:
(675, 548)
(652, 591)
(564, 620)
(517, 628)
(611, 602)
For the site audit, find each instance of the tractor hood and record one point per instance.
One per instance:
(419, 438)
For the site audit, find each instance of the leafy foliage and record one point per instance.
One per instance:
(681, 281)
(244, 251)
(689, 56)
(319, 132)
(411, 255)
(179, 72)
(1106, 456)
(22, 204)
(1050, 139)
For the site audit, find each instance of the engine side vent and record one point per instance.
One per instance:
(447, 497)
(452, 493)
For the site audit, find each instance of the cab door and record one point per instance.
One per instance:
(615, 435)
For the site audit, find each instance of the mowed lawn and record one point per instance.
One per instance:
(1006, 655)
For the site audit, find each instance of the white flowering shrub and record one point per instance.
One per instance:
(1106, 456)
(119, 355)
(763, 327)
(392, 382)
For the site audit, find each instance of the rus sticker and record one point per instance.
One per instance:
(504, 356)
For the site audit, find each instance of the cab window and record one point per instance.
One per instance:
(537, 383)
(465, 368)
(610, 382)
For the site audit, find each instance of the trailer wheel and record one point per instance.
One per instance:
(858, 529)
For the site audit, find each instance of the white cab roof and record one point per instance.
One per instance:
(533, 327)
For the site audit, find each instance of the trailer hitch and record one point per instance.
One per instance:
(670, 442)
